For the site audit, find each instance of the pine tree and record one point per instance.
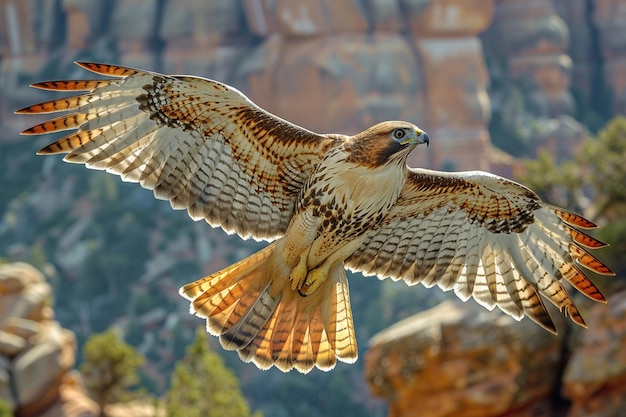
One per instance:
(202, 386)
(110, 368)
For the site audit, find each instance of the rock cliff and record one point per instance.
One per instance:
(458, 360)
(36, 354)
(450, 65)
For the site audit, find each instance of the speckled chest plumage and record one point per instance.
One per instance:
(349, 198)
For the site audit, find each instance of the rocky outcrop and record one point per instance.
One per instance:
(608, 19)
(330, 66)
(532, 41)
(458, 359)
(594, 379)
(341, 66)
(36, 353)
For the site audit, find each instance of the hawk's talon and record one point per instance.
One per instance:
(299, 273)
(314, 279)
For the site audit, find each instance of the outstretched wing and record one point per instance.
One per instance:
(487, 237)
(196, 142)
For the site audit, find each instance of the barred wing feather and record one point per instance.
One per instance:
(485, 237)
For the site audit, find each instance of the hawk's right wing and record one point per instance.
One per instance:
(196, 142)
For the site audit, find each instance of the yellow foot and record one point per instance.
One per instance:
(314, 279)
(298, 273)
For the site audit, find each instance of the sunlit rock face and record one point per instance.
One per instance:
(36, 354)
(458, 359)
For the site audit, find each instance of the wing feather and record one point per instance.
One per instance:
(484, 237)
(196, 142)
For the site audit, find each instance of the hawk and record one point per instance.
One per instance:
(326, 203)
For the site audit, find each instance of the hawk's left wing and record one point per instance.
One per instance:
(487, 237)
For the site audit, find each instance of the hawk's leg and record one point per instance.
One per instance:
(314, 279)
(317, 276)
(299, 272)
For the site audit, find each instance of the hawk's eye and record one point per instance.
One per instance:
(399, 133)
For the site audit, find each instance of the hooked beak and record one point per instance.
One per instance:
(423, 137)
(419, 138)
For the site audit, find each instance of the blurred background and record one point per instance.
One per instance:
(530, 89)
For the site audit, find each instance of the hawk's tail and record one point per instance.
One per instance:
(251, 306)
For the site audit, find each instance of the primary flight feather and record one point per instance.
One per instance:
(326, 202)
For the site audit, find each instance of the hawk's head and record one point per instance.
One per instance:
(385, 142)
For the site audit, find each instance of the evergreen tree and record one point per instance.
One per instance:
(202, 386)
(110, 368)
(606, 158)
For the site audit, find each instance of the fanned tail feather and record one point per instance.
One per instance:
(251, 306)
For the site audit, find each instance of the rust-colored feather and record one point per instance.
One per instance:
(584, 239)
(53, 106)
(65, 122)
(584, 285)
(69, 142)
(106, 69)
(71, 85)
(589, 261)
(575, 219)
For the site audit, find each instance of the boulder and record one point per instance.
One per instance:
(72, 401)
(136, 408)
(36, 353)
(595, 375)
(38, 372)
(532, 40)
(458, 359)
(10, 344)
(23, 292)
(539, 31)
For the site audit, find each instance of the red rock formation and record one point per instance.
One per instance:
(458, 359)
(533, 40)
(36, 354)
(575, 13)
(609, 17)
(595, 375)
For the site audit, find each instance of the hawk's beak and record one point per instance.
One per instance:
(420, 137)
